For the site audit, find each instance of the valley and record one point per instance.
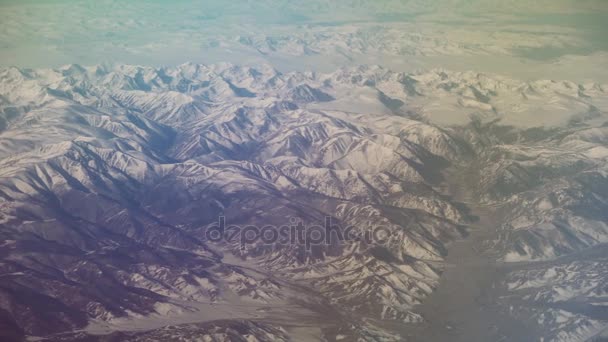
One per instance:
(110, 178)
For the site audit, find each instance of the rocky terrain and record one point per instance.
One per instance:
(111, 178)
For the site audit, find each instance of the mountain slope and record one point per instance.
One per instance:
(112, 178)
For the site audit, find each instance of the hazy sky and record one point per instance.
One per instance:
(301, 34)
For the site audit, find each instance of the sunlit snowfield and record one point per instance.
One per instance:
(475, 133)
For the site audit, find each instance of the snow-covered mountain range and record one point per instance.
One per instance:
(111, 175)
